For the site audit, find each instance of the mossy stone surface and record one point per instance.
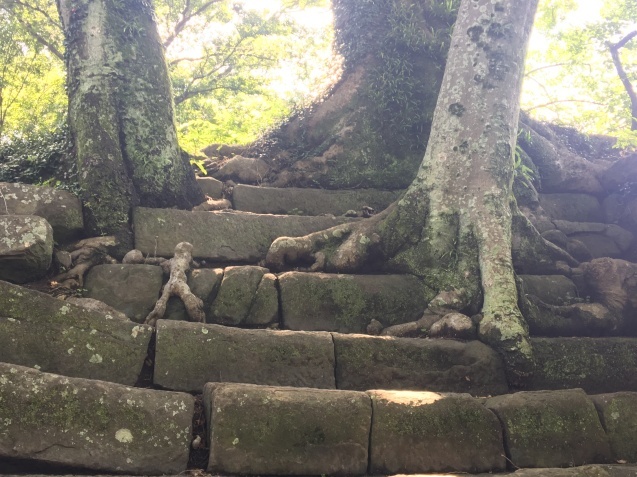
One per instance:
(219, 236)
(370, 362)
(618, 412)
(92, 424)
(347, 303)
(551, 429)
(291, 200)
(131, 289)
(551, 289)
(188, 355)
(248, 295)
(276, 430)
(416, 432)
(598, 365)
(39, 331)
(26, 247)
(60, 208)
(572, 207)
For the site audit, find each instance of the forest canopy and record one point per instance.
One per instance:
(238, 67)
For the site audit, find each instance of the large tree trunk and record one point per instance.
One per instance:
(121, 113)
(453, 225)
(372, 128)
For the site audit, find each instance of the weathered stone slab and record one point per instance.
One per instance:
(598, 365)
(551, 289)
(578, 319)
(26, 247)
(188, 355)
(602, 240)
(92, 424)
(347, 303)
(248, 296)
(211, 187)
(295, 201)
(572, 207)
(41, 332)
(219, 236)
(131, 289)
(416, 432)
(551, 429)
(60, 208)
(618, 413)
(287, 431)
(370, 362)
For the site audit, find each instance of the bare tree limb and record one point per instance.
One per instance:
(623, 76)
(550, 103)
(186, 16)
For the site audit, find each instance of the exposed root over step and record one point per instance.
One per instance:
(85, 254)
(177, 286)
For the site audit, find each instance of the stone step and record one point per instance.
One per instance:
(251, 296)
(601, 240)
(296, 201)
(275, 430)
(581, 471)
(41, 332)
(256, 430)
(188, 355)
(220, 236)
(623, 470)
(92, 424)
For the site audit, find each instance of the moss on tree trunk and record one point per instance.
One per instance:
(372, 127)
(121, 113)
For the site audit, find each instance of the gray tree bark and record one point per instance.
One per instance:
(453, 226)
(121, 113)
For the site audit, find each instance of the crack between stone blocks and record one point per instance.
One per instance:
(335, 362)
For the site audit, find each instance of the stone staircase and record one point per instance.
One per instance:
(281, 379)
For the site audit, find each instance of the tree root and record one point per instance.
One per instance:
(177, 286)
(85, 254)
(344, 248)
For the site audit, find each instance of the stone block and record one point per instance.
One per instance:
(602, 240)
(295, 201)
(572, 207)
(60, 208)
(376, 362)
(41, 332)
(131, 289)
(92, 424)
(248, 296)
(211, 187)
(287, 431)
(551, 289)
(551, 429)
(598, 365)
(26, 247)
(618, 412)
(188, 355)
(418, 432)
(348, 303)
(220, 236)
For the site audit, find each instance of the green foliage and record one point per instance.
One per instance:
(219, 53)
(571, 78)
(31, 80)
(43, 158)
